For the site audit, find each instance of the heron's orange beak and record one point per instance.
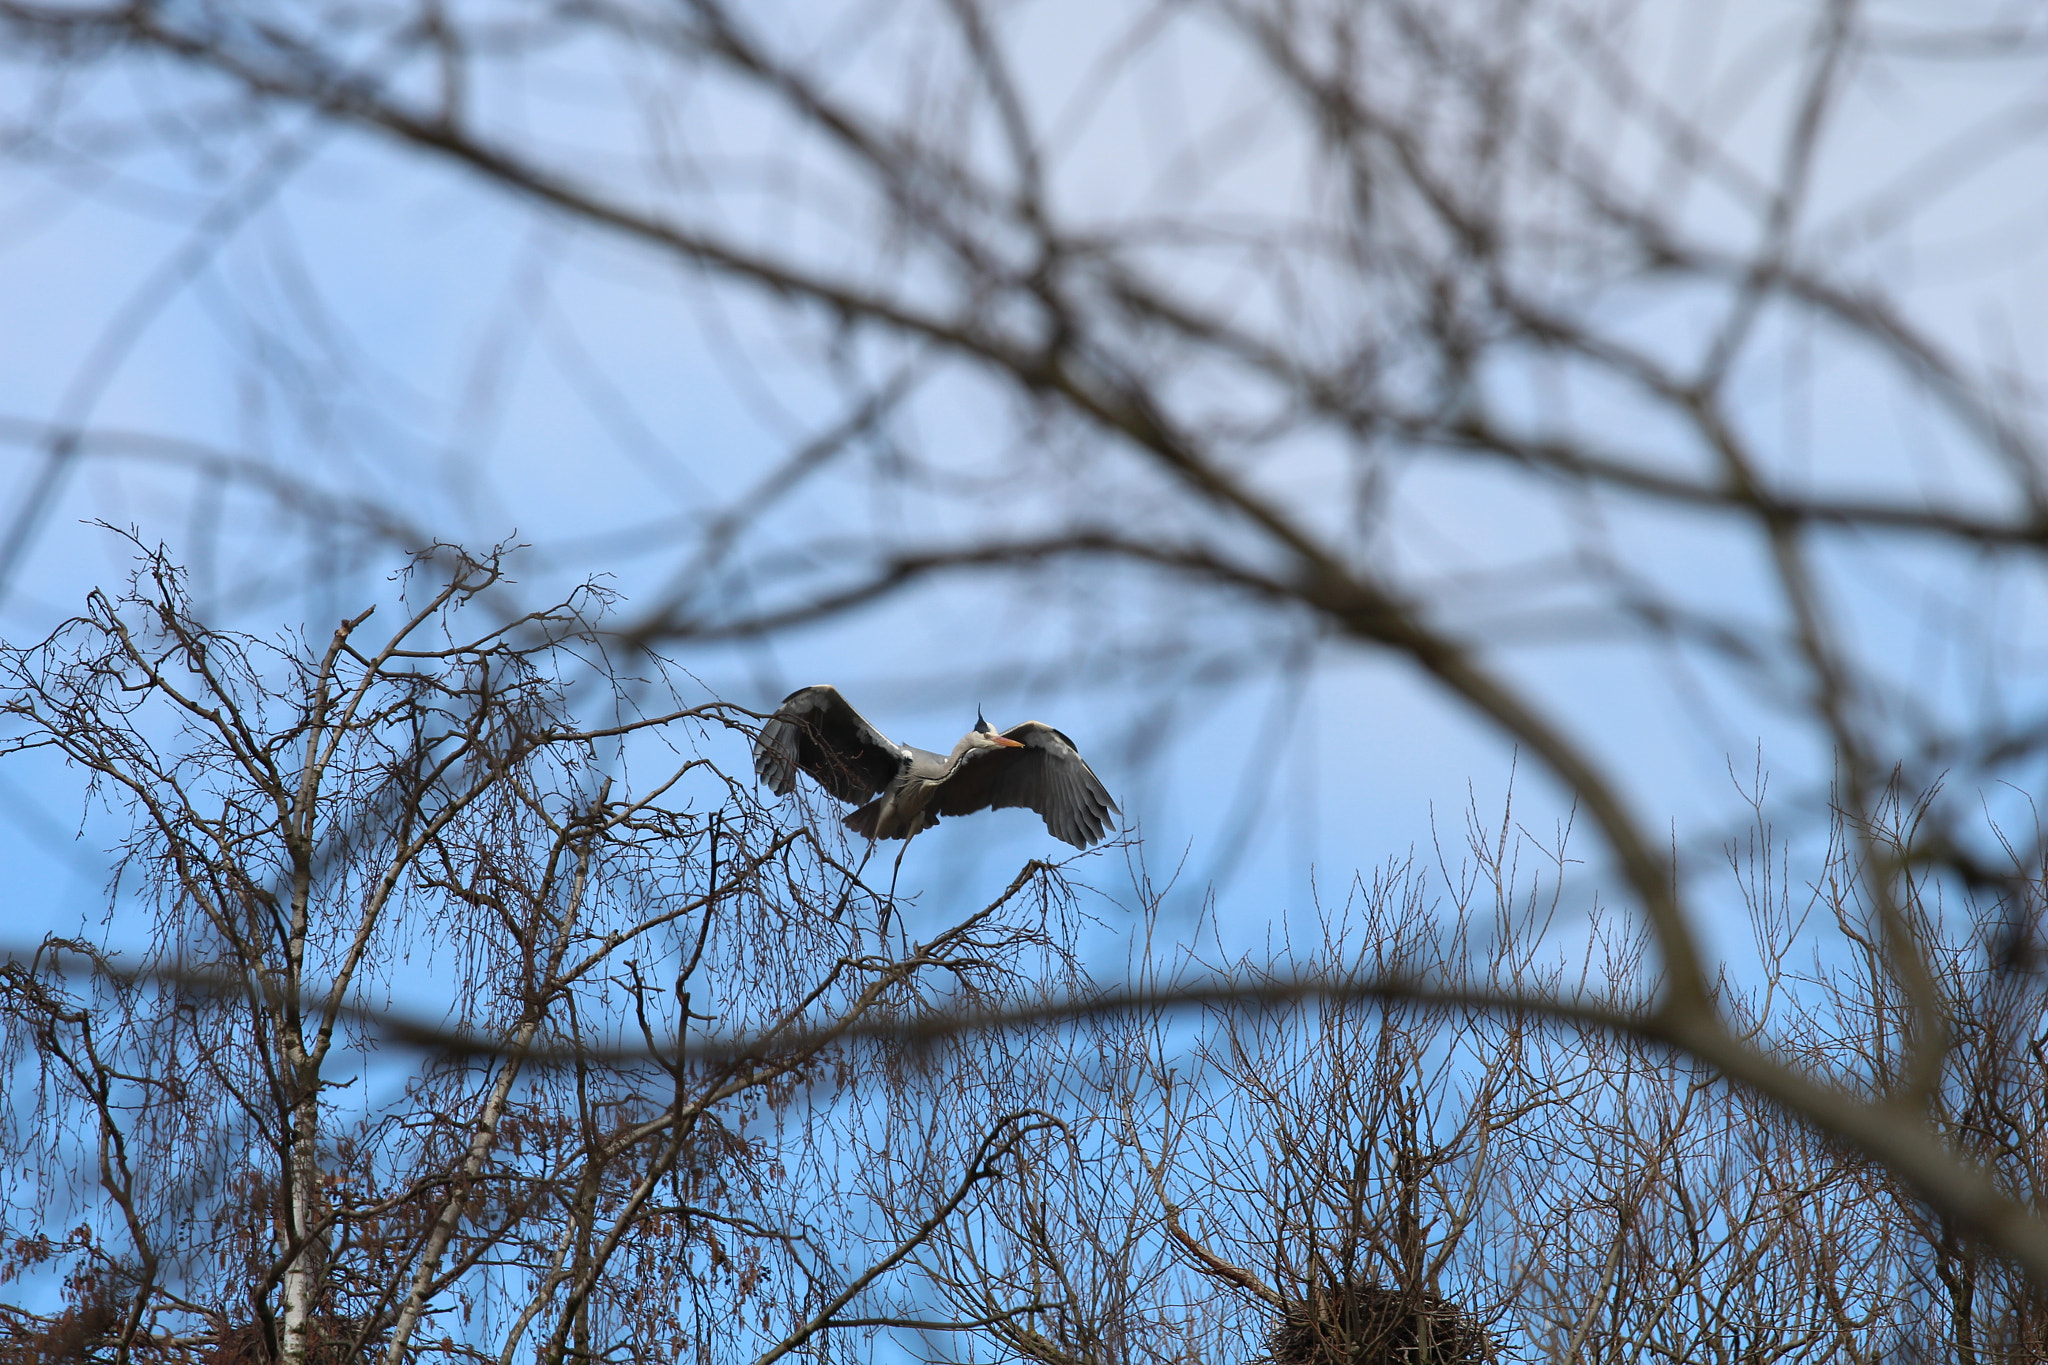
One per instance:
(1009, 743)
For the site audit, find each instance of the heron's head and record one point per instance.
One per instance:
(985, 737)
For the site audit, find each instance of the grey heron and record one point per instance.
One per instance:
(907, 789)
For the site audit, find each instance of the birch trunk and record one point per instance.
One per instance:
(480, 1144)
(302, 1276)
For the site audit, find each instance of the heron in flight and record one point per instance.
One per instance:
(1031, 765)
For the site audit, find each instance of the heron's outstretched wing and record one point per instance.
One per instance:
(1047, 775)
(815, 729)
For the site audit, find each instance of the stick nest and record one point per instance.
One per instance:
(1370, 1324)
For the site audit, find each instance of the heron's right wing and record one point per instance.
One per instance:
(1047, 775)
(815, 729)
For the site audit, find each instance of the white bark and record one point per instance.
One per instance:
(302, 1276)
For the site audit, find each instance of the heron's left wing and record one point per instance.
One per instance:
(1047, 775)
(817, 730)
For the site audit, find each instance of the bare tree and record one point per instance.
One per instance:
(1321, 1181)
(266, 1184)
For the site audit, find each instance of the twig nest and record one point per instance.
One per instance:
(1370, 1324)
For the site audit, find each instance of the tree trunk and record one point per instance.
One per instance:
(302, 1276)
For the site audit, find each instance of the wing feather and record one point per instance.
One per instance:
(818, 731)
(1048, 775)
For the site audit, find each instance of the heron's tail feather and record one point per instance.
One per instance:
(867, 822)
(862, 821)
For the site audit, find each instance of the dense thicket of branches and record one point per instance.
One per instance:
(254, 1162)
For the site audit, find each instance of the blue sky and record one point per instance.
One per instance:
(399, 333)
